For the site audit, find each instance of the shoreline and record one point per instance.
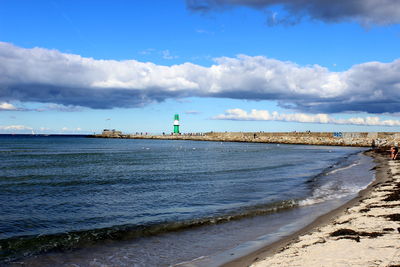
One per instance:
(266, 255)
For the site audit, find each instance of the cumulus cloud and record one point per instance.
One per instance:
(15, 128)
(365, 12)
(7, 106)
(49, 76)
(265, 115)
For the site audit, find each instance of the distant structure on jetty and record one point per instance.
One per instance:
(111, 133)
(361, 139)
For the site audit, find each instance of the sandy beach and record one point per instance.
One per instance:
(363, 232)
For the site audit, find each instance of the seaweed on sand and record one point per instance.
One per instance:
(395, 196)
(393, 217)
(354, 235)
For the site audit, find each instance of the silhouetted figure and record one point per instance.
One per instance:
(394, 151)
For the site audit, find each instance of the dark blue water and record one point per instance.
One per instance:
(63, 193)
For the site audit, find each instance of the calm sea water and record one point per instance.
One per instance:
(63, 198)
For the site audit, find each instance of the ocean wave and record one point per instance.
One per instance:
(329, 192)
(343, 168)
(24, 246)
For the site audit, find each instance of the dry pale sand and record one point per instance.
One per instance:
(365, 234)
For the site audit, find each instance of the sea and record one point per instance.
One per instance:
(78, 201)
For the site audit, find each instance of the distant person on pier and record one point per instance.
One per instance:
(394, 151)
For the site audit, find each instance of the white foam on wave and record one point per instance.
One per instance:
(343, 168)
(329, 192)
(189, 263)
(342, 182)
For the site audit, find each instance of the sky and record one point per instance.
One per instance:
(78, 67)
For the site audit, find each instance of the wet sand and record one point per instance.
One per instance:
(363, 232)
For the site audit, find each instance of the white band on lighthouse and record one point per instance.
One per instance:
(176, 122)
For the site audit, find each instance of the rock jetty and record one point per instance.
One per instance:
(360, 139)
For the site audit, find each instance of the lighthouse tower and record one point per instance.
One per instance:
(176, 124)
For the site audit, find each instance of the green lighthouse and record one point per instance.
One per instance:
(176, 124)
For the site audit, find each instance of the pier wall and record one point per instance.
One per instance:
(362, 139)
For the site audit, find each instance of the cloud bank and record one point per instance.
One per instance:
(49, 76)
(265, 115)
(365, 12)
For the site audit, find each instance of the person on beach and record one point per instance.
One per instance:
(394, 151)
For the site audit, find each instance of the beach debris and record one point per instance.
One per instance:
(383, 206)
(364, 210)
(353, 235)
(320, 240)
(342, 222)
(395, 196)
(341, 232)
(388, 229)
(393, 217)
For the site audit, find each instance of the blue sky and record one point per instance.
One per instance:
(223, 65)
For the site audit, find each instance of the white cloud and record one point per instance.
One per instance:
(167, 55)
(49, 76)
(15, 128)
(265, 115)
(7, 106)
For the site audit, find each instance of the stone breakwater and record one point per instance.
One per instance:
(360, 139)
